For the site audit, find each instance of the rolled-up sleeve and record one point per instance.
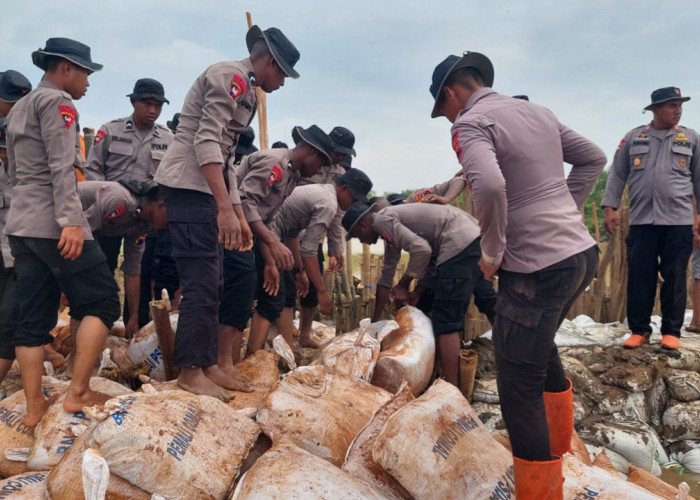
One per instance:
(392, 255)
(477, 155)
(217, 112)
(617, 178)
(587, 161)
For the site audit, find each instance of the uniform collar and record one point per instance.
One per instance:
(476, 97)
(249, 73)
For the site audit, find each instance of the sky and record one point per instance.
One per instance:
(367, 65)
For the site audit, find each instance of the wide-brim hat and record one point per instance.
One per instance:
(666, 94)
(13, 86)
(344, 140)
(357, 182)
(76, 52)
(283, 51)
(453, 63)
(354, 214)
(246, 149)
(316, 138)
(148, 88)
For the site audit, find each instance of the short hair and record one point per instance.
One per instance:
(52, 62)
(279, 145)
(259, 50)
(469, 78)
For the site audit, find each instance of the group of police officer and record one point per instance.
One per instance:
(247, 227)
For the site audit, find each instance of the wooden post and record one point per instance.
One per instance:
(166, 337)
(366, 256)
(262, 105)
(596, 228)
(348, 270)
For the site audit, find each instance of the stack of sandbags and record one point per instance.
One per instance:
(407, 353)
(28, 486)
(437, 448)
(288, 472)
(173, 443)
(354, 354)
(359, 462)
(319, 410)
(53, 435)
(14, 434)
(261, 371)
(145, 348)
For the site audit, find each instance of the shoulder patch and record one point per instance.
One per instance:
(101, 134)
(68, 114)
(455, 145)
(238, 86)
(418, 197)
(116, 213)
(386, 238)
(275, 175)
(619, 146)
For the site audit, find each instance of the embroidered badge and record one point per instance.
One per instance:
(386, 238)
(129, 125)
(682, 162)
(251, 77)
(238, 86)
(455, 145)
(619, 146)
(116, 213)
(141, 239)
(419, 196)
(68, 113)
(275, 175)
(101, 134)
(637, 161)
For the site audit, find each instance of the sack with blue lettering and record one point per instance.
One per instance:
(173, 443)
(437, 448)
(145, 348)
(27, 486)
(54, 434)
(13, 434)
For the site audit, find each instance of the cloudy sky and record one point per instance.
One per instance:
(367, 64)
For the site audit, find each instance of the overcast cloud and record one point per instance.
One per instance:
(367, 65)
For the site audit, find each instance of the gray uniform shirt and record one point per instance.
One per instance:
(218, 107)
(5, 196)
(311, 209)
(121, 151)
(431, 234)
(512, 152)
(264, 180)
(111, 210)
(41, 138)
(438, 189)
(336, 233)
(662, 171)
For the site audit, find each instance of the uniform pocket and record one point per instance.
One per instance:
(638, 156)
(682, 156)
(515, 330)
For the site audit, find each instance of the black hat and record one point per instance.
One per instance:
(346, 162)
(396, 198)
(245, 144)
(13, 86)
(316, 138)
(522, 97)
(139, 188)
(3, 133)
(76, 52)
(357, 183)
(148, 88)
(285, 53)
(451, 64)
(343, 140)
(353, 215)
(666, 94)
(172, 124)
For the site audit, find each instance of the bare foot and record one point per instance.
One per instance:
(229, 379)
(307, 341)
(194, 381)
(55, 358)
(77, 401)
(35, 411)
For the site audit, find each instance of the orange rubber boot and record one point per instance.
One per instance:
(536, 480)
(670, 342)
(635, 340)
(559, 407)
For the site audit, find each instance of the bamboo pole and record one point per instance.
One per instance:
(596, 227)
(366, 256)
(166, 337)
(348, 269)
(262, 105)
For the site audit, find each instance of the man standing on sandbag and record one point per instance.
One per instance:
(204, 213)
(660, 163)
(343, 151)
(48, 232)
(264, 180)
(443, 247)
(534, 237)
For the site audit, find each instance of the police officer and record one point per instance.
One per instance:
(48, 232)
(511, 152)
(203, 212)
(13, 86)
(659, 162)
(343, 152)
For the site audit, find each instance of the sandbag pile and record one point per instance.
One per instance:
(145, 348)
(354, 354)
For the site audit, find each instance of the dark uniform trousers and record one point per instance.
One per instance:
(529, 311)
(9, 311)
(158, 266)
(650, 250)
(240, 279)
(199, 259)
(42, 274)
(270, 306)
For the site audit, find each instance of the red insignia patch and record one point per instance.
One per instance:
(275, 175)
(101, 134)
(455, 145)
(116, 213)
(619, 146)
(68, 113)
(387, 238)
(238, 86)
(419, 196)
